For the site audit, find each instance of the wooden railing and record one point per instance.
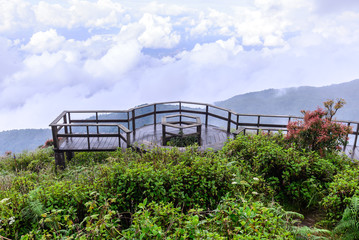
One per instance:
(69, 124)
(229, 120)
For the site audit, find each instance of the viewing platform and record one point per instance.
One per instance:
(148, 126)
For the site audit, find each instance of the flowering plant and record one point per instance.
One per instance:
(317, 131)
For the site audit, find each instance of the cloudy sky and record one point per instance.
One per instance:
(60, 55)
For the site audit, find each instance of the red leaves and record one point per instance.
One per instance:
(317, 131)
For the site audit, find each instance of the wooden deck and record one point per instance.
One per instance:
(96, 144)
(148, 137)
(125, 128)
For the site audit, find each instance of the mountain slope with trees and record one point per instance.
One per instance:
(290, 101)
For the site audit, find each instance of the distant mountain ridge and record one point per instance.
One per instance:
(20, 140)
(290, 101)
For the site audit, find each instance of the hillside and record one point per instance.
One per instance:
(243, 191)
(291, 101)
(17, 141)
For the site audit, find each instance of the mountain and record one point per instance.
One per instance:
(290, 101)
(17, 141)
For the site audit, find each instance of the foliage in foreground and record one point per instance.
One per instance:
(294, 177)
(166, 194)
(349, 224)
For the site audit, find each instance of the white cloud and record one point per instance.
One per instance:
(44, 41)
(119, 59)
(82, 54)
(158, 32)
(102, 13)
(15, 14)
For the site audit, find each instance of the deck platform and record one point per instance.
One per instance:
(147, 137)
(107, 130)
(150, 136)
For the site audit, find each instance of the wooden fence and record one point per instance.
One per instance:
(126, 122)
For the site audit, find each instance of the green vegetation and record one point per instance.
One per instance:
(257, 187)
(183, 140)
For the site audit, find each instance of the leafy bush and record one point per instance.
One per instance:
(317, 131)
(343, 187)
(296, 177)
(349, 224)
(32, 161)
(232, 219)
(168, 194)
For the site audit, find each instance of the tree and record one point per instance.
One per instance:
(318, 131)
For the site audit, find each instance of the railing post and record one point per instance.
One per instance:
(355, 141)
(258, 122)
(128, 139)
(65, 122)
(133, 121)
(163, 135)
(199, 131)
(237, 122)
(154, 114)
(69, 116)
(206, 115)
(119, 136)
(345, 145)
(229, 122)
(54, 137)
(180, 112)
(97, 123)
(128, 119)
(88, 137)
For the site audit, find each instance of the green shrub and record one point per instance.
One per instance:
(348, 226)
(344, 186)
(32, 161)
(232, 219)
(296, 177)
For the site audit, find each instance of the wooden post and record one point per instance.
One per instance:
(163, 135)
(180, 112)
(69, 155)
(206, 115)
(154, 115)
(128, 120)
(60, 159)
(119, 136)
(345, 145)
(237, 122)
(133, 121)
(258, 122)
(128, 139)
(355, 141)
(65, 122)
(55, 138)
(97, 123)
(88, 137)
(199, 131)
(69, 116)
(229, 122)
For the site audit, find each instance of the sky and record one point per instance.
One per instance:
(60, 55)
